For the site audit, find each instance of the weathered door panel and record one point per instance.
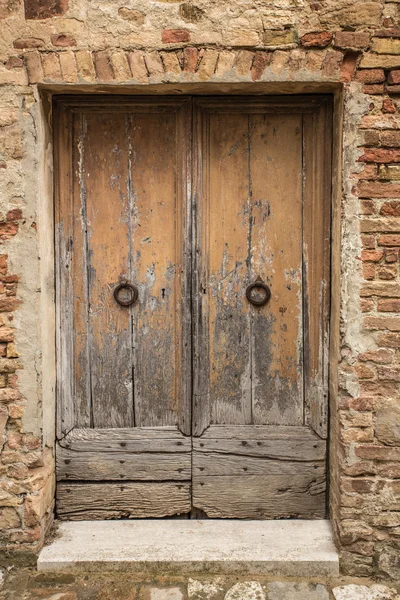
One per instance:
(123, 370)
(255, 195)
(192, 208)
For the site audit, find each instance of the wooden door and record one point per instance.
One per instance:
(196, 397)
(124, 371)
(260, 372)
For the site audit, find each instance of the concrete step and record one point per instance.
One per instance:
(287, 548)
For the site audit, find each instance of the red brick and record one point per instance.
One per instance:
(6, 334)
(368, 241)
(368, 271)
(14, 214)
(389, 305)
(392, 32)
(23, 43)
(371, 76)
(391, 255)
(391, 209)
(389, 373)
(387, 272)
(45, 9)
(34, 67)
(14, 62)
(102, 65)
(360, 486)
(389, 240)
(364, 372)
(175, 36)
(349, 64)
(372, 452)
(380, 155)
(260, 62)
(369, 171)
(393, 89)
(394, 76)
(9, 304)
(371, 255)
(378, 356)
(352, 40)
(367, 207)
(388, 106)
(361, 404)
(190, 59)
(316, 39)
(391, 340)
(8, 230)
(373, 89)
(366, 305)
(390, 323)
(63, 40)
(377, 190)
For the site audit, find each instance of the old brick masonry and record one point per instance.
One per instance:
(355, 44)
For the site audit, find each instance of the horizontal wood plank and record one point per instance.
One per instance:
(261, 497)
(137, 439)
(142, 466)
(78, 502)
(257, 432)
(214, 463)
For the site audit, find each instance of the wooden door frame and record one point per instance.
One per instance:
(46, 210)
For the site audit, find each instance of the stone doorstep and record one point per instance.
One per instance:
(288, 547)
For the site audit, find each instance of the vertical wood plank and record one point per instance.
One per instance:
(79, 270)
(276, 256)
(106, 206)
(156, 174)
(63, 132)
(228, 256)
(317, 211)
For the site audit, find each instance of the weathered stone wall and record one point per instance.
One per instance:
(353, 44)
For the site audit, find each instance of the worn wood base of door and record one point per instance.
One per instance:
(86, 501)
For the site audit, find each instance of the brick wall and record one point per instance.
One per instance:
(354, 44)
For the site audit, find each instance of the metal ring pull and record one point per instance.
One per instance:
(258, 293)
(126, 294)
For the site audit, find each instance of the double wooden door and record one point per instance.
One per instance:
(192, 239)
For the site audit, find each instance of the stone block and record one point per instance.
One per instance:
(385, 46)
(45, 9)
(278, 590)
(278, 38)
(205, 590)
(246, 590)
(316, 39)
(388, 421)
(363, 592)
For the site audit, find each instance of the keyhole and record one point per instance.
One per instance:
(163, 292)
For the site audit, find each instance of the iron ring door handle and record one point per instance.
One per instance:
(126, 294)
(258, 299)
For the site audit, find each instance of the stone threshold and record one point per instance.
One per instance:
(295, 548)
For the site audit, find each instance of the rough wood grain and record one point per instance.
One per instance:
(261, 497)
(157, 268)
(275, 255)
(105, 203)
(134, 466)
(220, 464)
(63, 133)
(116, 500)
(135, 439)
(317, 217)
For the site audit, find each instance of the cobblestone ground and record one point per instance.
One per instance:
(28, 584)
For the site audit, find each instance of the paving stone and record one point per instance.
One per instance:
(280, 590)
(165, 594)
(363, 592)
(210, 590)
(247, 590)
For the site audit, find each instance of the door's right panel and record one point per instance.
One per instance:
(255, 454)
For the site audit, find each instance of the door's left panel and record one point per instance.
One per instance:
(123, 395)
